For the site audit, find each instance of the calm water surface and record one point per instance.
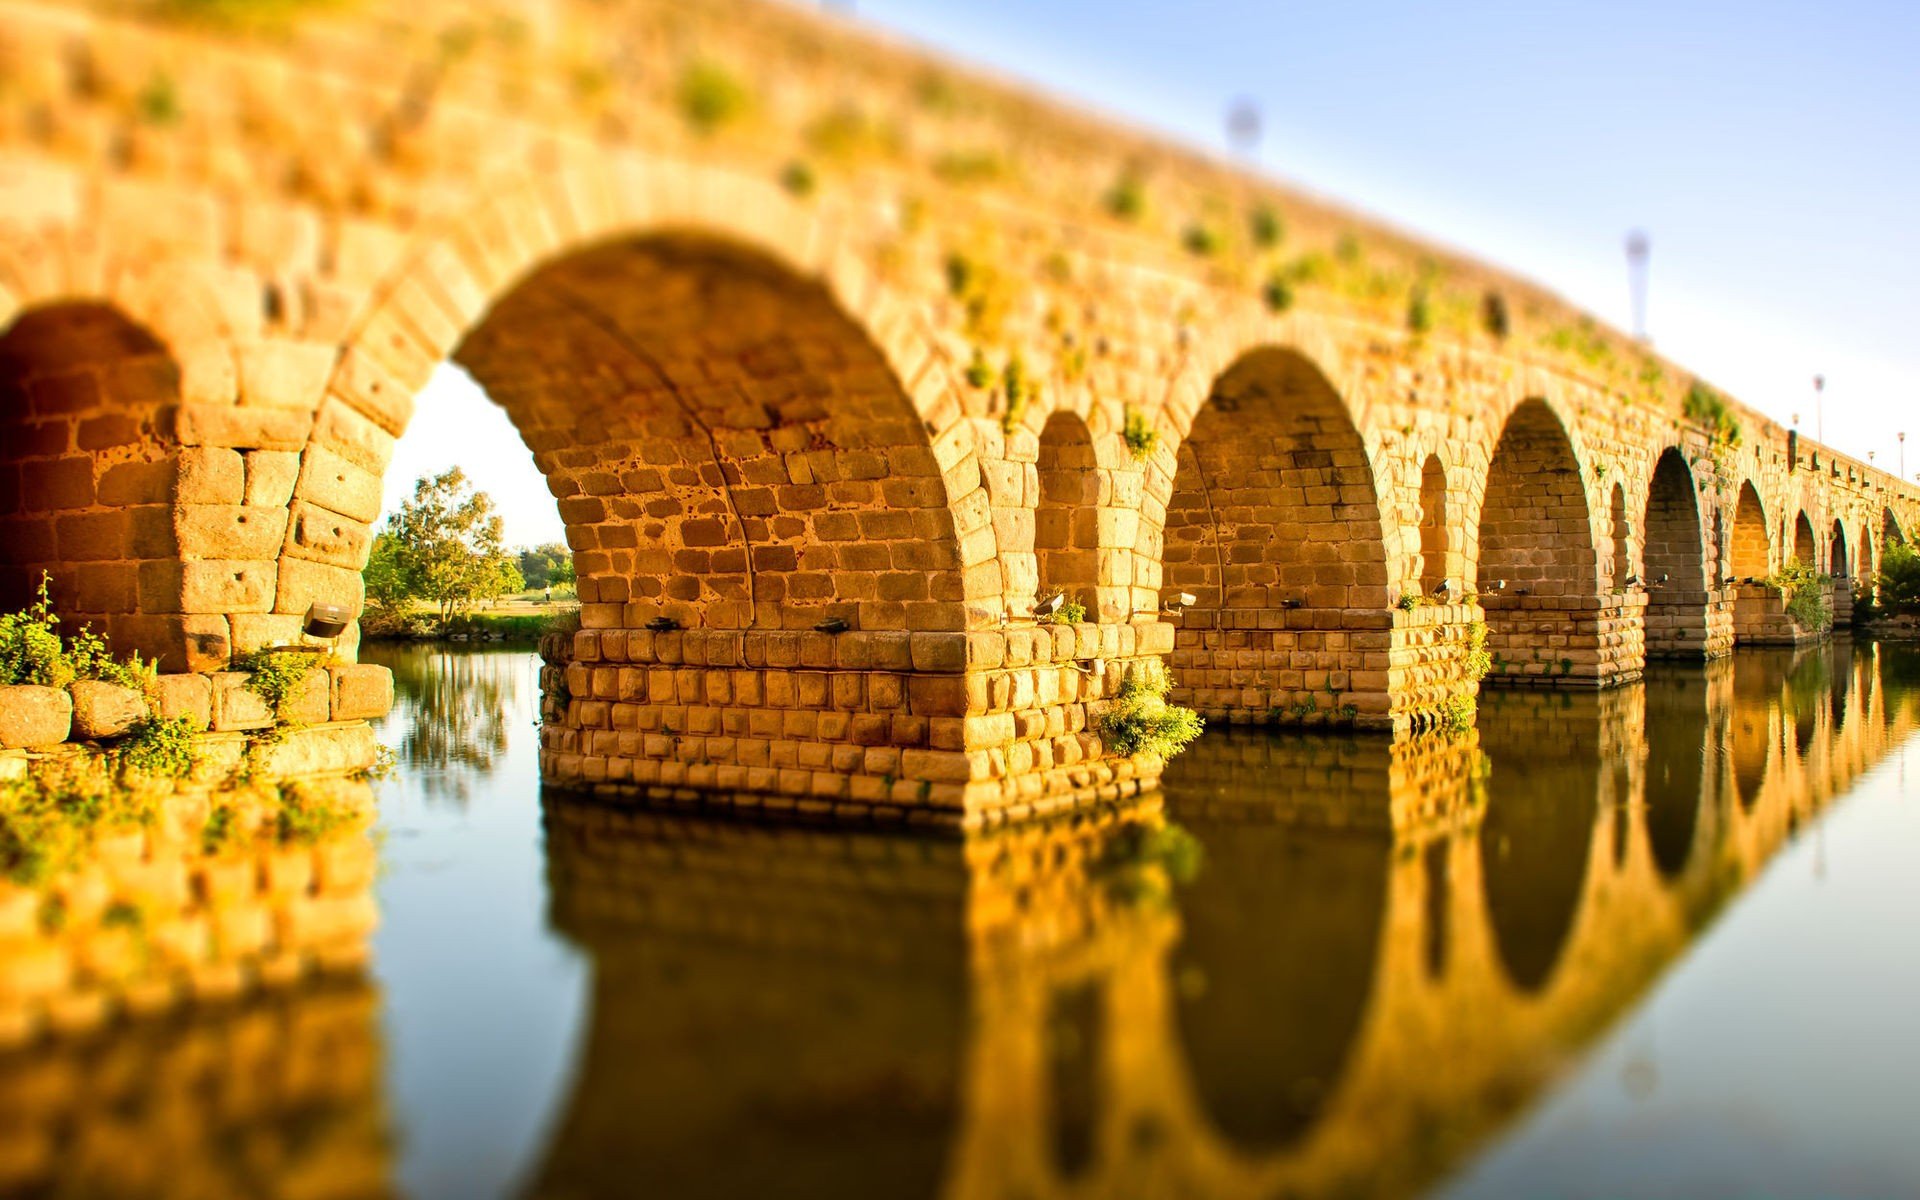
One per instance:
(1655, 941)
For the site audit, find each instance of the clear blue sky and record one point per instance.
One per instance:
(1771, 151)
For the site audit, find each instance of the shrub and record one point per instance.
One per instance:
(1708, 409)
(798, 178)
(1070, 612)
(1201, 240)
(1479, 660)
(1265, 227)
(158, 746)
(275, 674)
(1900, 579)
(30, 646)
(1277, 292)
(32, 651)
(1809, 601)
(1138, 720)
(1141, 438)
(1127, 198)
(1419, 312)
(1493, 315)
(710, 96)
(1457, 713)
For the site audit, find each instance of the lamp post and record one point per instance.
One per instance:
(1243, 126)
(1819, 422)
(1638, 248)
(1901, 437)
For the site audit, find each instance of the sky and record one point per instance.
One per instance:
(1770, 151)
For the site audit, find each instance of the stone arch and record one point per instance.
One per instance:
(1869, 559)
(727, 448)
(1437, 558)
(97, 491)
(1677, 735)
(1269, 1038)
(1806, 550)
(1674, 554)
(1537, 835)
(1620, 535)
(1273, 523)
(1536, 534)
(1838, 560)
(1751, 554)
(1890, 532)
(1067, 519)
(771, 396)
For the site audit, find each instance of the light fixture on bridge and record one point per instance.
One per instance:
(1293, 602)
(1633, 581)
(327, 621)
(832, 625)
(1443, 588)
(663, 624)
(1180, 602)
(1498, 585)
(1093, 667)
(1523, 591)
(1050, 605)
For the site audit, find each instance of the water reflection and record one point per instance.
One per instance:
(455, 710)
(1385, 955)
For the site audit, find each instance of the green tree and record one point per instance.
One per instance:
(1900, 579)
(545, 566)
(445, 547)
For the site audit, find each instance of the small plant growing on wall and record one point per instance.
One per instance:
(1419, 312)
(1808, 594)
(1070, 612)
(1138, 720)
(1265, 227)
(1201, 240)
(1277, 292)
(1127, 198)
(711, 97)
(798, 178)
(1141, 438)
(1493, 316)
(1019, 391)
(1708, 409)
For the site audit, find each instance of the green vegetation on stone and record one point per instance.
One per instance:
(1808, 593)
(1900, 579)
(1140, 437)
(33, 652)
(1138, 720)
(711, 97)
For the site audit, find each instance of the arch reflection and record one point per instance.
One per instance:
(1065, 1008)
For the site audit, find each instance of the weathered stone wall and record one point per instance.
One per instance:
(790, 319)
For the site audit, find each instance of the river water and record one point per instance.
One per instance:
(1654, 941)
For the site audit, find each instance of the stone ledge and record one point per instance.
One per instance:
(87, 710)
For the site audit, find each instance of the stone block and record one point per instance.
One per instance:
(304, 583)
(270, 477)
(230, 531)
(361, 692)
(311, 700)
(235, 706)
(209, 475)
(184, 696)
(105, 710)
(32, 716)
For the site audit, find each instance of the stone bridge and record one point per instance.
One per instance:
(812, 332)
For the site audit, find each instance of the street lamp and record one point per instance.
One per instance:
(1819, 425)
(1638, 248)
(1901, 437)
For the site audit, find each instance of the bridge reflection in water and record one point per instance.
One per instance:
(1311, 965)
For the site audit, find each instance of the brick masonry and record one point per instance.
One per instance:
(851, 335)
